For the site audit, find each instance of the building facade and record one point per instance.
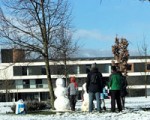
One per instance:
(27, 80)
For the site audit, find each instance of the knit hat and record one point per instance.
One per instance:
(72, 79)
(94, 65)
(114, 68)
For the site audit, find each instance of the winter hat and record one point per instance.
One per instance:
(72, 79)
(114, 68)
(94, 65)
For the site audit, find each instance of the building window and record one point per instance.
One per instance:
(60, 69)
(39, 83)
(26, 83)
(148, 67)
(24, 70)
(104, 68)
(88, 68)
(44, 96)
(17, 70)
(19, 84)
(130, 68)
(73, 69)
(142, 67)
(7, 84)
(139, 67)
(34, 70)
(57, 69)
(83, 69)
(43, 70)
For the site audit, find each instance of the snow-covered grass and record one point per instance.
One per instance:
(134, 111)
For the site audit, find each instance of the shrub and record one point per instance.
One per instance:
(31, 106)
(13, 108)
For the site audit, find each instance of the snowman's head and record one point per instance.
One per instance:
(60, 82)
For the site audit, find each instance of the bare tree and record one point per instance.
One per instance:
(67, 49)
(144, 0)
(6, 85)
(33, 25)
(143, 51)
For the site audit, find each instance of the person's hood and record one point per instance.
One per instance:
(94, 70)
(72, 79)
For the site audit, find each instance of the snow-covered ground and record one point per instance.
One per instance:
(133, 111)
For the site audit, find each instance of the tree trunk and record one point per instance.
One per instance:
(6, 95)
(49, 80)
(66, 75)
(145, 77)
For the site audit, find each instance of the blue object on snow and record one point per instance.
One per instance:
(20, 107)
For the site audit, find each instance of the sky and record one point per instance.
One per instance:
(98, 22)
(134, 111)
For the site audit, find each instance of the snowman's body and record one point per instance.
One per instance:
(62, 102)
(85, 103)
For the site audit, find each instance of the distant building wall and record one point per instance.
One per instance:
(12, 55)
(18, 55)
(6, 55)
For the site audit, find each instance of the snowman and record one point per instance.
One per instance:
(85, 103)
(62, 102)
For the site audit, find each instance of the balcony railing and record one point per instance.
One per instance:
(39, 86)
(26, 86)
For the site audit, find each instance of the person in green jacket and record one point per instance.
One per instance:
(115, 88)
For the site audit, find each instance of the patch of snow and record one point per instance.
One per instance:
(133, 111)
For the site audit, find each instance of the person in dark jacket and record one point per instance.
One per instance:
(115, 87)
(123, 92)
(72, 91)
(94, 87)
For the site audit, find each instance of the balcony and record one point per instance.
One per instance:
(26, 86)
(39, 85)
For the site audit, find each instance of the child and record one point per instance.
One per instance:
(72, 92)
(103, 96)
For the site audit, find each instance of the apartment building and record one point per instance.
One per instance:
(27, 80)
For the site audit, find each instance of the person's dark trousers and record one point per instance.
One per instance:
(123, 102)
(115, 97)
(72, 102)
